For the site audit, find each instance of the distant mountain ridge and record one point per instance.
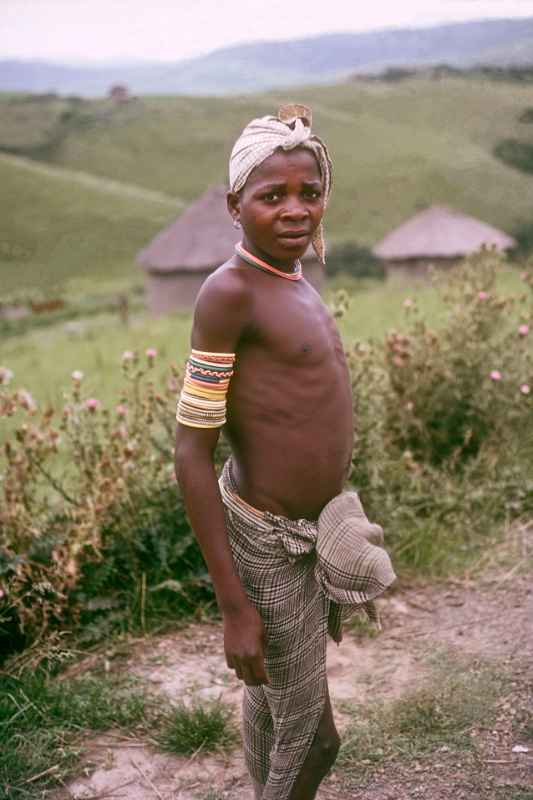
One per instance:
(265, 65)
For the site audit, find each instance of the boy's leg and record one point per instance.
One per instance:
(257, 736)
(258, 742)
(320, 758)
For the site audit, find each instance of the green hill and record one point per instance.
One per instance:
(57, 225)
(396, 147)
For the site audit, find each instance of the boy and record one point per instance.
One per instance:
(283, 546)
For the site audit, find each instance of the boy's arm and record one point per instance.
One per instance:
(220, 318)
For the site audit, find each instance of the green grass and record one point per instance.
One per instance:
(208, 727)
(43, 723)
(442, 712)
(29, 121)
(43, 359)
(395, 148)
(53, 230)
(516, 154)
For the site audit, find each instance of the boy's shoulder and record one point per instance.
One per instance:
(228, 286)
(225, 294)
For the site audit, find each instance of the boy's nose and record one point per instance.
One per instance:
(294, 210)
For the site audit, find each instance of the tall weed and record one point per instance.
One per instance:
(92, 528)
(93, 532)
(444, 443)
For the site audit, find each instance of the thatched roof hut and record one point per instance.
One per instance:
(119, 93)
(437, 235)
(179, 258)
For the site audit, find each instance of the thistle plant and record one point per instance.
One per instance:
(93, 533)
(85, 488)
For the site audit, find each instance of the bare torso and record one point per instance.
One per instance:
(289, 405)
(290, 420)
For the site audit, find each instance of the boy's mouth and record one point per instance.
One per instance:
(294, 237)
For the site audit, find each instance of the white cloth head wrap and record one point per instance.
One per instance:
(263, 136)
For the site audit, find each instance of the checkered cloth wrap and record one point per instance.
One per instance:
(304, 578)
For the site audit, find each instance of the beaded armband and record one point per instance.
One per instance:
(202, 403)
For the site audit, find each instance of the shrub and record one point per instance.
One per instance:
(515, 154)
(93, 531)
(444, 433)
(92, 526)
(451, 390)
(355, 260)
(526, 115)
(523, 233)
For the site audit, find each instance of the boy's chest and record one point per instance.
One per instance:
(294, 324)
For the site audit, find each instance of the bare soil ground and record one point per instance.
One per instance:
(490, 618)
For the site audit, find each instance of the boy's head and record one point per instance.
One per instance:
(280, 180)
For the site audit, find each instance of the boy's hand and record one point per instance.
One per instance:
(244, 645)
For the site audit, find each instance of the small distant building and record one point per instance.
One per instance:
(119, 93)
(437, 236)
(179, 259)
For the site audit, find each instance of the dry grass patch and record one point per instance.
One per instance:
(441, 713)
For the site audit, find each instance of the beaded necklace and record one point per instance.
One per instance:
(263, 265)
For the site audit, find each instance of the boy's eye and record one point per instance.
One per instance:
(271, 197)
(313, 194)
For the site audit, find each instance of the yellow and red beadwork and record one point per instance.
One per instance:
(202, 402)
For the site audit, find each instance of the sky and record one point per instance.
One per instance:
(78, 31)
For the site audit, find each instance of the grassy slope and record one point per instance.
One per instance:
(395, 147)
(29, 124)
(52, 229)
(43, 360)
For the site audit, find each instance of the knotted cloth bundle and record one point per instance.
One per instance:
(352, 567)
(264, 135)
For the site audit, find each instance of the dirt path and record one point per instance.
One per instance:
(491, 619)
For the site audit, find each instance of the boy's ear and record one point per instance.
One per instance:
(234, 204)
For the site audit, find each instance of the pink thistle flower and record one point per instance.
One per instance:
(525, 388)
(127, 356)
(121, 410)
(151, 353)
(407, 303)
(495, 375)
(5, 376)
(482, 296)
(92, 404)
(77, 376)
(26, 400)
(523, 330)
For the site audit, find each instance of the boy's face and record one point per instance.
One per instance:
(280, 206)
